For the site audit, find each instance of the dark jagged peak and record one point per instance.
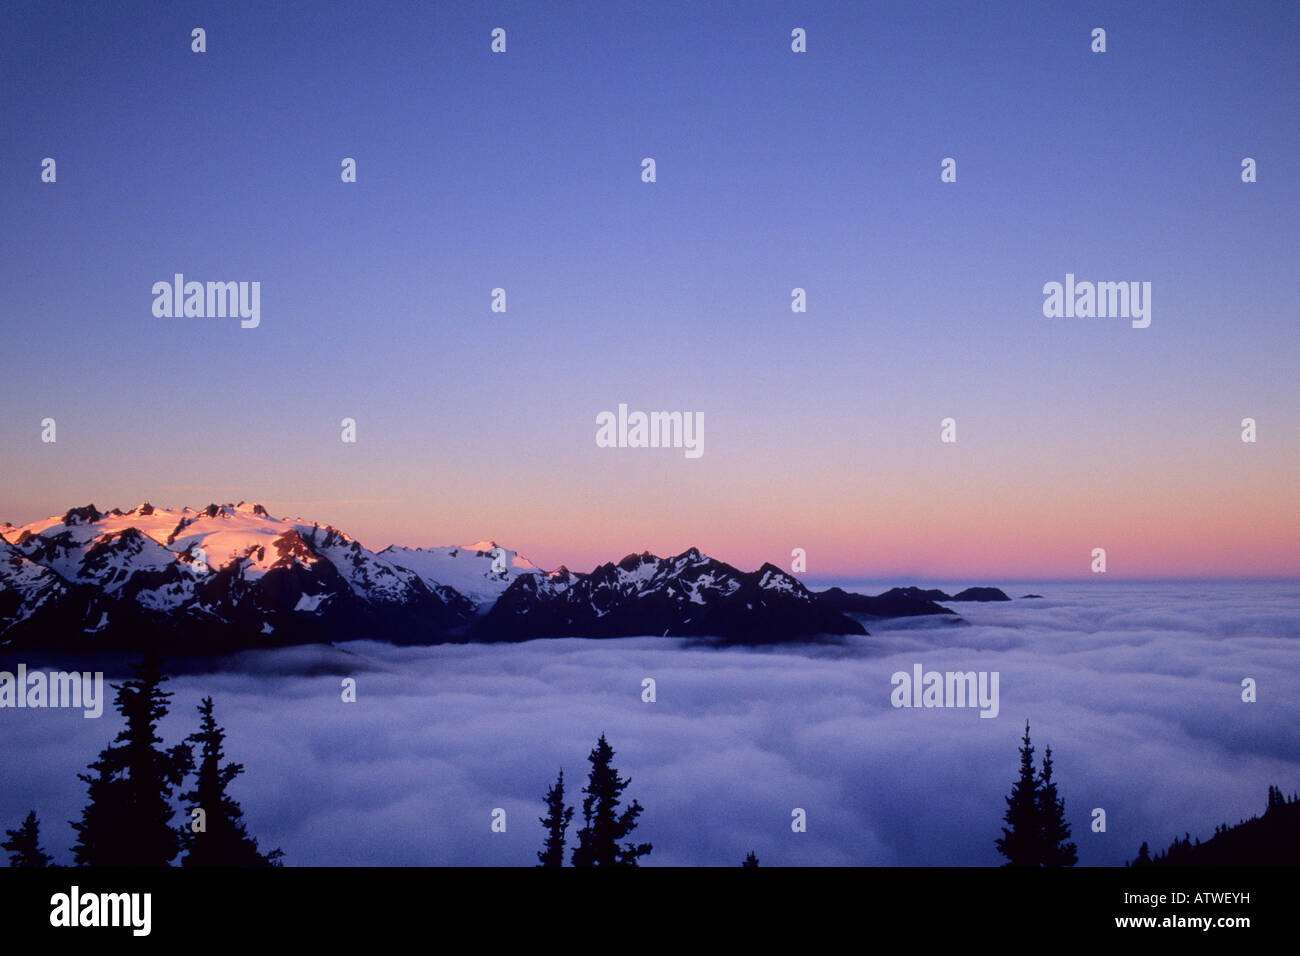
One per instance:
(543, 585)
(691, 558)
(839, 597)
(770, 577)
(916, 594)
(223, 510)
(112, 546)
(633, 561)
(259, 510)
(980, 594)
(335, 538)
(87, 515)
(46, 547)
(142, 509)
(290, 546)
(896, 602)
(690, 595)
(116, 512)
(180, 526)
(119, 539)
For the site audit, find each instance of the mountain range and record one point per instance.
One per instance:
(232, 577)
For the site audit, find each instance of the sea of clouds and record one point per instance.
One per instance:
(1136, 687)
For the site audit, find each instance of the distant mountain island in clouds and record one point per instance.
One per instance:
(232, 577)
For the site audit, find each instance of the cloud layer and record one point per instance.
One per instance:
(1135, 687)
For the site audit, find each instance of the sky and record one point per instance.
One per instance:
(774, 170)
(1138, 694)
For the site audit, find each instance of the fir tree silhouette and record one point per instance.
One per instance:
(1055, 831)
(750, 860)
(556, 822)
(127, 821)
(1021, 840)
(24, 844)
(604, 826)
(223, 840)
(1037, 833)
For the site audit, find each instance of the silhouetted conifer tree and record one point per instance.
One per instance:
(1055, 831)
(223, 839)
(556, 822)
(1021, 840)
(127, 821)
(604, 826)
(750, 860)
(24, 844)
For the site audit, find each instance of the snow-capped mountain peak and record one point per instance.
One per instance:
(481, 571)
(222, 570)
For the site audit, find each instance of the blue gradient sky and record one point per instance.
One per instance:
(775, 170)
